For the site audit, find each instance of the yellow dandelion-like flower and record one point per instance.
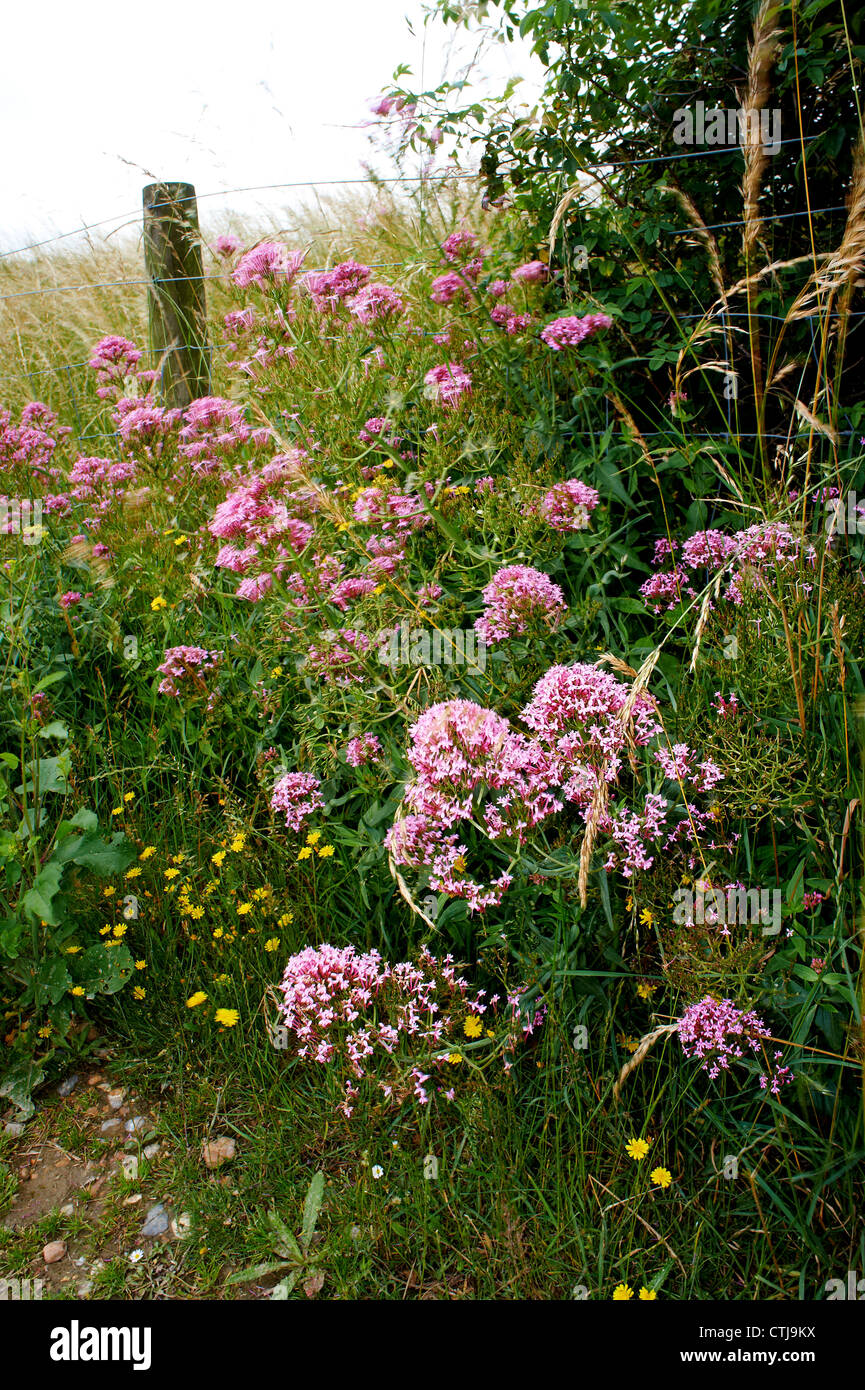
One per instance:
(120, 929)
(473, 1028)
(158, 602)
(637, 1149)
(313, 837)
(77, 990)
(326, 852)
(218, 857)
(646, 917)
(139, 992)
(661, 1177)
(72, 950)
(199, 997)
(172, 873)
(227, 1017)
(218, 933)
(621, 1293)
(222, 979)
(238, 843)
(645, 990)
(285, 919)
(108, 891)
(647, 1295)
(244, 909)
(259, 894)
(276, 673)
(103, 931)
(455, 1058)
(178, 858)
(141, 965)
(117, 811)
(272, 944)
(305, 853)
(491, 1034)
(133, 873)
(129, 796)
(147, 853)
(45, 1031)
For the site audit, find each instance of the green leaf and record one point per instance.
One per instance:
(39, 900)
(311, 1209)
(91, 852)
(19, 1081)
(56, 729)
(285, 1237)
(103, 969)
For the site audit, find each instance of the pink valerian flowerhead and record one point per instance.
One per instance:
(267, 264)
(567, 505)
(485, 484)
(508, 319)
(519, 599)
(382, 105)
(676, 398)
(498, 288)
(459, 246)
(716, 1032)
(812, 900)
(446, 288)
(225, 245)
(428, 593)
(184, 670)
(570, 331)
(328, 288)
(376, 303)
(727, 706)
(575, 709)
(366, 748)
(532, 273)
(298, 795)
(818, 964)
(70, 599)
(115, 356)
(39, 416)
(448, 384)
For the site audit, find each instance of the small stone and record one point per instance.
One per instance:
(115, 1099)
(111, 1127)
(84, 1289)
(23, 1174)
(182, 1226)
(68, 1086)
(14, 1128)
(156, 1223)
(95, 1079)
(218, 1151)
(68, 1209)
(129, 1165)
(132, 1200)
(151, 1150)
(137, 1125)
(54, 1251)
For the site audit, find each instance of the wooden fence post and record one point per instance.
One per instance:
(175, 298)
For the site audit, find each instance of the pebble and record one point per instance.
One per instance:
(137, 1125)
(68, 1086)
(151, 1150)
(182, 1226)
(156, 1223)
(54, 1251)
(111, 1127)
(115, 1099)
(132, 1200)
(129, 1164)
(68, 1209)
(95, 1079)
(14, 1128)
(217, 1151)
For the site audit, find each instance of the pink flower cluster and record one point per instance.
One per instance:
(571, 331)
(448, 384)
(519, 599)
(715, 1032)
(114, 359)
(329, 288)
(298, 796)
(184, 670)
(568, 505)
(744, 555)
(376, 303)
(267, 264)
(379, 1023)
(366, 748)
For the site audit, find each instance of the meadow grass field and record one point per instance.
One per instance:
(432, 771)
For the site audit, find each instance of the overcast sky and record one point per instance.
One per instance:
(99, 95)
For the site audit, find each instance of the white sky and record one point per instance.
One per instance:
(223, 95)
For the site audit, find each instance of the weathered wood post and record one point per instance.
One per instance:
(175, 298)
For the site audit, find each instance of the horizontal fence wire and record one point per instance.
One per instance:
(374, 181)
